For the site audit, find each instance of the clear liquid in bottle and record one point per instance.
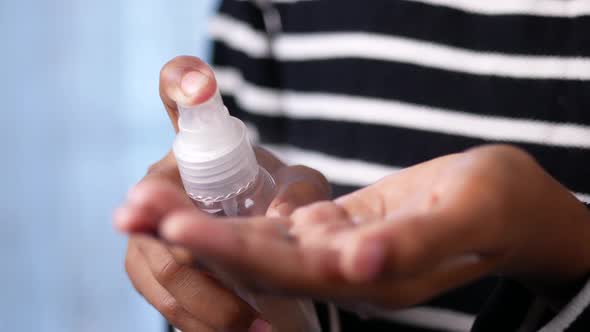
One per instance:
(253, 201)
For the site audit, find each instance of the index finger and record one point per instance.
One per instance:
(261, 255)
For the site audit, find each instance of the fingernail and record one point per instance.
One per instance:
(260, 325)
(193, 82)
(173, 230)
(282, 210)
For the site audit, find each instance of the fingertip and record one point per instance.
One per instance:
(186, 80)
(364, 261)
(121, 219)
(175, 228)
(283, 209)
(182, 77)
(371, 260)
(140, 193)
(201, 233)
(158, 194)
(188, 227)
(133, 219)
(260, 325)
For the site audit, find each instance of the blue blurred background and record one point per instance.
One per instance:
(81, 121)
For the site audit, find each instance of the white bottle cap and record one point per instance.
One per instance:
(213, 152)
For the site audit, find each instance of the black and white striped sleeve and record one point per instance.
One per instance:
(362, 89)
(576, 314)
(242, 22)
(512, 307)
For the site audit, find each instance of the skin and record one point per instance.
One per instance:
(167, 276)
(403, 240)
(410, 236)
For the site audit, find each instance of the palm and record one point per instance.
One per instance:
(328, 251)
(409, 237)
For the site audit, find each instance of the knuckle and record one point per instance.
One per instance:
(154, 168)
(165, 166)
(301, 214)
(498, 165)
(182, 256)
(131, 257)
(318, 179)
(307, 170)
(172, 310)
(502, 155)
(505, 150)
(168, 272)
(515, 158)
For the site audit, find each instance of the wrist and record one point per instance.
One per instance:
(551, 254)
(566, 266)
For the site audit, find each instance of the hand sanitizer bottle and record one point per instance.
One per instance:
(217, 163)
(220, 173)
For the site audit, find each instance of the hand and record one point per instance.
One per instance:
(411, 236)
(166, 276)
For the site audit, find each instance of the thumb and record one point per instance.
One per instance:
(298, 186)
(185, 80)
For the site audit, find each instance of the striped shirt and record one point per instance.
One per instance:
(360, 89)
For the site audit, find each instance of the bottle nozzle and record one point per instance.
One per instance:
(208, 126)
(209, 115)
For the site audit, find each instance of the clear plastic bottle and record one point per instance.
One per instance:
(252, 201)
(220, 173)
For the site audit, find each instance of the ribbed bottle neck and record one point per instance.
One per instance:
(212, 175)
